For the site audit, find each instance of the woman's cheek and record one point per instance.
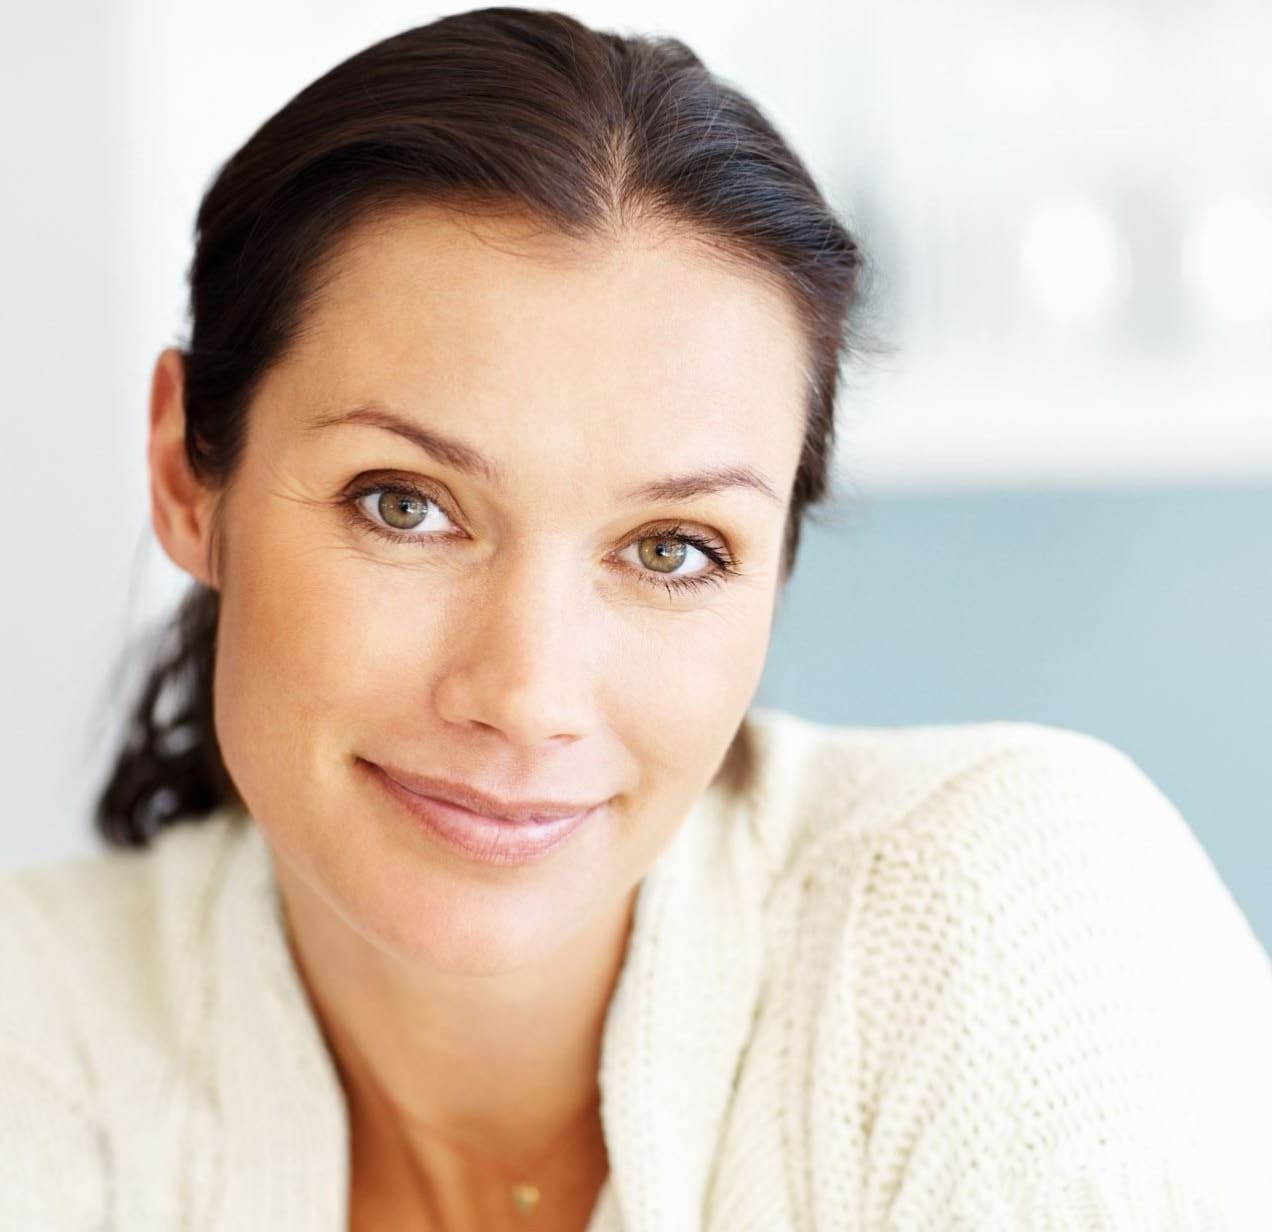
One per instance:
(359, 632)
(697, 676)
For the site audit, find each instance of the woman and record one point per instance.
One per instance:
(456, 883)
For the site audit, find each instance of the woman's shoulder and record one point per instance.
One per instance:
(971, 797)
(100, 959)
(115, 914)
(93, 938)
(155, 1041)
(1014, 980)
(826, 795)
(937, 851)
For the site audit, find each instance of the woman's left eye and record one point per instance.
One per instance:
(660, 555)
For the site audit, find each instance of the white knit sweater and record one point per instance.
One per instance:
(965, 977)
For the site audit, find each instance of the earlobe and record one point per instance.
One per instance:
(180, 504)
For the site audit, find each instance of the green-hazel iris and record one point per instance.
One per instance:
(401, 510)
(666, 555)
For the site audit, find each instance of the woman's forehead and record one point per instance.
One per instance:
(503, 300)
(528, 346)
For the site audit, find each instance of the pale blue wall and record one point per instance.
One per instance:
(1143, 617)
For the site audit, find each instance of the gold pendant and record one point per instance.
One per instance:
(525, 1198)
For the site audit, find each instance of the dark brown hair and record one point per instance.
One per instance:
(502, 109)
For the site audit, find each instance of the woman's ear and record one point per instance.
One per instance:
(181, 507)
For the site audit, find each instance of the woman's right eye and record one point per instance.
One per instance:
(399, 513)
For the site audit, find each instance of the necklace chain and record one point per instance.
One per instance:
(525, 1194)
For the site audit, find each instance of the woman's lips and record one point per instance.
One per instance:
(491, 840)
(486, 803)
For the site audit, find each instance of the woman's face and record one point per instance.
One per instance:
(512, 611)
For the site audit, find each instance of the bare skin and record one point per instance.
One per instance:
(520, 639)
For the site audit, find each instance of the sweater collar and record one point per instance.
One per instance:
(680, 1017)
(285, 1134)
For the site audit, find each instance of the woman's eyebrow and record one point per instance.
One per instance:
(446, 449)
(462, 457)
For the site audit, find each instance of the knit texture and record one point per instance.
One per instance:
(967, 977)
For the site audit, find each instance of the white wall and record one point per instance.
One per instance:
(68, 528)
(1028, 176)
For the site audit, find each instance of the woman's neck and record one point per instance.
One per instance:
(394, 1183)
(456, 1084)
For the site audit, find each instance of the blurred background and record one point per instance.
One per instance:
(1056, 478)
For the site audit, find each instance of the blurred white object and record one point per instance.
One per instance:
(1227, 259)
(1074, 264)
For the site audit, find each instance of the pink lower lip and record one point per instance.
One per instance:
(492, 840)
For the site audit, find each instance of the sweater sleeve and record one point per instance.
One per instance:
(1064, 1020)
(51, 1146)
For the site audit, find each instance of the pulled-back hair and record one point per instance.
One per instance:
(501, 109)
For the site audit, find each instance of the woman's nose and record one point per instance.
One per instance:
(519, 658)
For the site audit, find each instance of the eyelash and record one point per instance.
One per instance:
(720, 557)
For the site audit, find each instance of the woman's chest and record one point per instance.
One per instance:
(390, 1199)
